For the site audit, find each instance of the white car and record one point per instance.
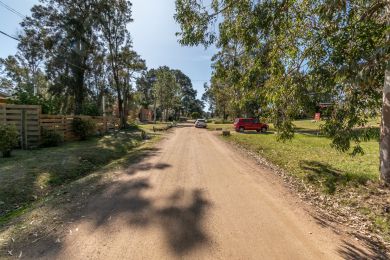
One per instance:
(200, 123)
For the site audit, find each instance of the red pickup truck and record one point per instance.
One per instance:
(242, 124)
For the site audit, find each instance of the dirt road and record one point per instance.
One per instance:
(196, 198)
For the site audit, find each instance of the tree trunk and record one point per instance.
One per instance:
(154, 111)
(385, 130)
(79, 92)
(125, 102)
(79, 73)
(121, 112)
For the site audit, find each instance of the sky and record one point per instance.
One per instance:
(153, 32)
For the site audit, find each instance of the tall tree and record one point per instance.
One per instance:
(295, 45)
(66, 30)
(114, 18)
(169, 90)
(145, 88)
(166, 91)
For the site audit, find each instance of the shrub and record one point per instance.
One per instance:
(51, 138)
(195, 115)
(83, 128)
(8, 139)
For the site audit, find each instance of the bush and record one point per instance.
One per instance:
(51, 138)
(8, 139)
(83, 128)
(195, 115)
(48, 105)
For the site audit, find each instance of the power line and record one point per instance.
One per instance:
(16, 39)
(12, 37)
(23, 16)
(9, 8)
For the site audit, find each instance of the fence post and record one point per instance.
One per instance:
(39, 113)
(4, 112)
(23, 130)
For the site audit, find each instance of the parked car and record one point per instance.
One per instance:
(242, 124)
(200, 123)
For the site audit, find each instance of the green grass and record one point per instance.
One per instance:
(311, 158)
(30, 175)
(149, 127)
(213, 126)
(307, 125)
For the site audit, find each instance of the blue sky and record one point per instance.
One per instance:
(153, 32)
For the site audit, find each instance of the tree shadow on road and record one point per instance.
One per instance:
(180, 219)
(348, 250)
(352, 252)
(179, 215)
(182, 225)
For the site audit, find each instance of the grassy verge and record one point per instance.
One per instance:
(29, 176)
(45, 218)
(308, 157)
(149, 127)
(311, 158)
(214, 126)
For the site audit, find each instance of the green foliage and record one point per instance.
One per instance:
(48, 105)
(91, 109)
(168, 89)
(83, 128)
(8, 139)
(51, 138)
(284, 57)
(195, 115)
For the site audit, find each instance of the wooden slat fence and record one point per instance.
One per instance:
(29, 122)
(26, 120)
(63, 124)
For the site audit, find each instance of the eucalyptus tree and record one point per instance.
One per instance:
(131, 67)
(113, 18)
(169, 90)
(144, 87)
(188, 101)
(166, 92)
(354, 56)
(208, 98)
(299, 47)
(66, 30)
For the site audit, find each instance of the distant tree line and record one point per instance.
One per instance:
(169, 93)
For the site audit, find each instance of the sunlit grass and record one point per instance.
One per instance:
(311, 158)
(29, 175)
